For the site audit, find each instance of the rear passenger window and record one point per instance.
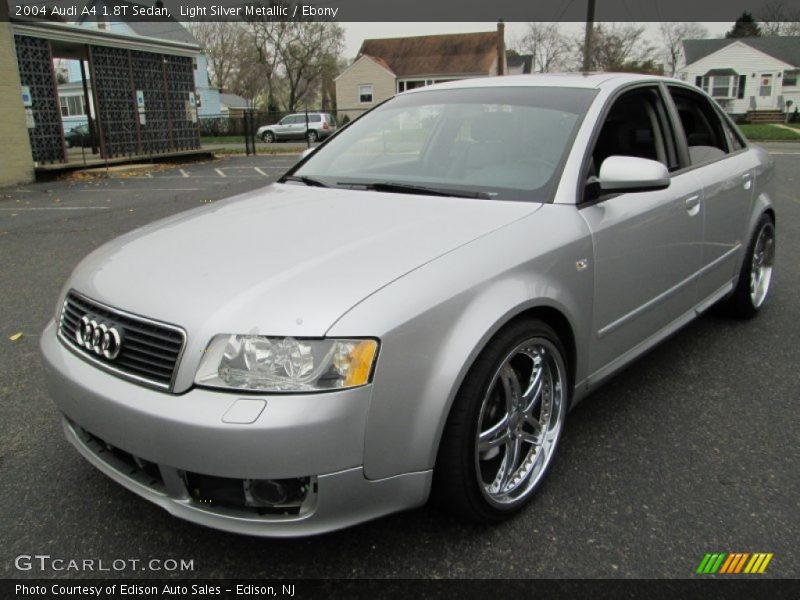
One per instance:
(734, 140)
(705, 135)
(314, 118)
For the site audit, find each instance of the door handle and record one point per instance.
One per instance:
(693, 205)
(747, 181)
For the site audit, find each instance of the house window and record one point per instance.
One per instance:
(72, 105)
(365, 93)
(790, 78)
(720, 86)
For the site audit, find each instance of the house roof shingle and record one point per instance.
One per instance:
(785, 48)
(448, 54)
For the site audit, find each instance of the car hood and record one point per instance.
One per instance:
(282, 260)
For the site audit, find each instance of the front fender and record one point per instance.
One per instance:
(434, 322)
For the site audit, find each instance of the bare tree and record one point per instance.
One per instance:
(222, 42)
(299, 52)
(672, 36)
(775, 19)
(549, 47)
(265, 35)
(248, 80)
(619, 48)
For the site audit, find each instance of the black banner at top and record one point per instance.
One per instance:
(386, 10)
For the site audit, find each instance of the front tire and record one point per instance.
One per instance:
(755, 276)
(505, 424)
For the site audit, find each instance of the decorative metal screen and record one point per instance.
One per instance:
(116, 103)
(149, 76)
(185, 130)
(36, 71)
(162, 123)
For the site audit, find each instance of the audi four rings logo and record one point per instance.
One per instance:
(99, 337)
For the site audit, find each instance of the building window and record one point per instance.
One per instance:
(72, 106)
(720, 86)
(365, 93)
(790, 78)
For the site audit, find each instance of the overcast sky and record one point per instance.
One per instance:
(357, 32)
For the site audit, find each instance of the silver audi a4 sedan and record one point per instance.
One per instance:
(411, 311)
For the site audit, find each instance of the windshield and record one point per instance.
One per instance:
(506, 143)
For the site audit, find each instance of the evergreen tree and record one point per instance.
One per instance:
(745, 26)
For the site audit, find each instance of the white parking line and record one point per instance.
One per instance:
(184, 173)
(257, 170)
(220, 173)
(773, 152)
(144, 190)
(55, 208)
(198, 177)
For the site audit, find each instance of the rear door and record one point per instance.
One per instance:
(725, 168)
(647, 245)
(299, 127)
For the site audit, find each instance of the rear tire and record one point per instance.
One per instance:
(510, 407)
(755, 276)
(268, 137)
(312, 136)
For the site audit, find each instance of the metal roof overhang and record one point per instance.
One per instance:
(62, 32)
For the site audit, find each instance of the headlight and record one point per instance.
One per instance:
(277, 364)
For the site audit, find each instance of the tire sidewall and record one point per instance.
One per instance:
(470, 398)
(741, 303)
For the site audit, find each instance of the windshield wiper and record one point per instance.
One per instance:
(407, 188)
(310, 181)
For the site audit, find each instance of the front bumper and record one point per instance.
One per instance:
(304, 435)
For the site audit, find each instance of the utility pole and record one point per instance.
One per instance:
(587, 40)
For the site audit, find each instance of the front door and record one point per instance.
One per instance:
(766, 91)
(647, 245)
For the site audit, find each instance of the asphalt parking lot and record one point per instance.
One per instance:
(692, 450)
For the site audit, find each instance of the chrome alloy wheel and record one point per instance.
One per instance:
(761, 268)
(520, 421)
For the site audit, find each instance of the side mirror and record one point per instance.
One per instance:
(307, 151)
(632, 174)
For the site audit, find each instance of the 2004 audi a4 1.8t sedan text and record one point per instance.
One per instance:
(413, 308)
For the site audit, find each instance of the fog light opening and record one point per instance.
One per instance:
(275, 492)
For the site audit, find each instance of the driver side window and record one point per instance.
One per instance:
(635, 126)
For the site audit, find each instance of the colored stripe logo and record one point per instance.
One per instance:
(734, 563)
